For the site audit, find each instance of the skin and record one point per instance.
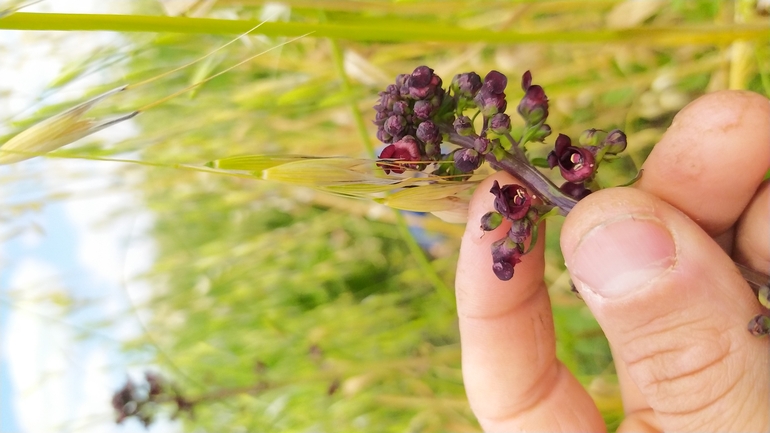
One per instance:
(684, 358)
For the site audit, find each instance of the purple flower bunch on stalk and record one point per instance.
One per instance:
(416, 115)
(143, 401)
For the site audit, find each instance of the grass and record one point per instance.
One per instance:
(285, 293)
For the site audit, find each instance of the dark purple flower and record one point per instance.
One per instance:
(155, 382)
(533, 107)
(406, 149)
(463, 126)
(466, 85)
(512, 201)
(467, 160)
(505, 255)
(124, 401)
(423, 83)
(575, 190)
(577, 164)
(500, 123)
(428, 132)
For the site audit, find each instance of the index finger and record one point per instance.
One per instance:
(512, 377)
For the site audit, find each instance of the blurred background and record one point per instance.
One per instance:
(238, 305)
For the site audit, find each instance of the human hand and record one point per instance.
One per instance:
(654, 264)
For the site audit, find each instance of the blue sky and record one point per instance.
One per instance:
(51, 380)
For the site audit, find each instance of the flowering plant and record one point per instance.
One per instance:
(416, 115)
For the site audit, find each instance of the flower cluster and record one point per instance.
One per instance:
(415, 116)
(512, 203)
(578, 163)
(143, 401)
(404, 119)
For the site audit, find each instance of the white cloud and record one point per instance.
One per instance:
(36, 353)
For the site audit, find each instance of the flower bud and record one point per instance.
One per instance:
(520, 230)
(592, 137)
(423, 83)
(466, 85)
(482, 145)
(491, 221)
(500, 123)
(463, 126)
(759, 326)
(423, 109)
(495, 82)
(506, 253)
(395, 125)
(432, 150)
(467, 160)
(543, 132)
(526, 80)
(401, 108)
(615, 142)
(384, 136)
(490, 103)
(533, 107)
(428, 132)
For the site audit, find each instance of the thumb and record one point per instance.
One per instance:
(674, 309)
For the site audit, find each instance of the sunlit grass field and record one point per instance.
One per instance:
(276, 307)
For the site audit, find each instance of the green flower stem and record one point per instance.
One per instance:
(373, 31)
(517, 150)
(525, 172)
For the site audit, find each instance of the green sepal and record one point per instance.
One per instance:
(499, 152)
(552, 211)
(634, 180)
(540, 162)
(532, 239)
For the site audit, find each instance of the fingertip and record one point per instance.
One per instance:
(694, 165)
(479, 291)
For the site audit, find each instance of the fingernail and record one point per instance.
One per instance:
(618, 258)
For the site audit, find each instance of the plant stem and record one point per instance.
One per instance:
(542, 187)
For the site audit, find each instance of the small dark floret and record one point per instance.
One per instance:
(512, 201)
(577, 164)
(505, 255)
(533, 107)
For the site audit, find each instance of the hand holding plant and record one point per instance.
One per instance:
(654, 263)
